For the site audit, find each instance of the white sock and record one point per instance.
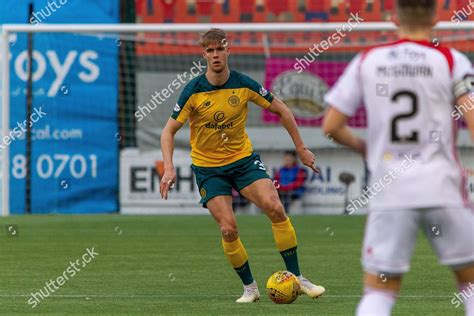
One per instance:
(467, 295)
(376, 303)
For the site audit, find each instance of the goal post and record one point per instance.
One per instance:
(267, 50)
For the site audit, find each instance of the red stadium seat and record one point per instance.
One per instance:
(317, 10)
(167, 7)
(277, 7)
(356, 6)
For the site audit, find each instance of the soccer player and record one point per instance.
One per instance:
(222, 157)
(409, 89)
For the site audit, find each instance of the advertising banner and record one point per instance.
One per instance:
(304, 92)
(325, 192)
(73, 118)
(140, 184)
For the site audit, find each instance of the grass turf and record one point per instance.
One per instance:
(159, 265)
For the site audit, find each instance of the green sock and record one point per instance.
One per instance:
(244, 273)
(291, 260)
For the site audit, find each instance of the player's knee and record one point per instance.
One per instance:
(229, 232)
(274, 209)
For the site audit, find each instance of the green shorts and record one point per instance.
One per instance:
(214, 181)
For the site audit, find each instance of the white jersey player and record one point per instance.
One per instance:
(409, 89)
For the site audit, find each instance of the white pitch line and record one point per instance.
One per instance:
(197, 295)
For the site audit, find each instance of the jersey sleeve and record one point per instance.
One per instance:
(257, 93)
(183, 108)
(463, 74)
(346, 94)
(462, 66)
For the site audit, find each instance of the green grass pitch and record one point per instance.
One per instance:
(158, 265)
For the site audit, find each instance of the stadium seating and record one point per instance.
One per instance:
(259, 11)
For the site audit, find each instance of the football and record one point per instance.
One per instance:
(283, 287)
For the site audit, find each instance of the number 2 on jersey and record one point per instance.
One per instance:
(413, 137)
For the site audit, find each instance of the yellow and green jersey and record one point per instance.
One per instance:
(217, 117)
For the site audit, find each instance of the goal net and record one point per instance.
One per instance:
(81, 126)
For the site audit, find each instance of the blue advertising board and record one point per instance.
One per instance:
(74, 124)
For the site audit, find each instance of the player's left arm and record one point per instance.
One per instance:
(288, 120)
(467, 111)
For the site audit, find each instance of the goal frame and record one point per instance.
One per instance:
(8, 29)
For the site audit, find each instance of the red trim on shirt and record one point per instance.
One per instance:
(443, 50)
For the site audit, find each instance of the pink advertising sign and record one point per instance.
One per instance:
(303, 92)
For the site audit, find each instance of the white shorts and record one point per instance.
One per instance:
(390, 238)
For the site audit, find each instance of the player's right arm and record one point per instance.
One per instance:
(167, 147)
(335, 127)
(181, 113)
(344, 98)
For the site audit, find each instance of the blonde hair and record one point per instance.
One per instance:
(213, 36)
